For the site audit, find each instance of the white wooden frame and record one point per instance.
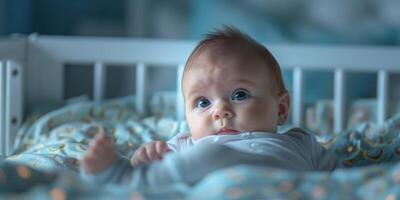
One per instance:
(12, 59)
(42, 58)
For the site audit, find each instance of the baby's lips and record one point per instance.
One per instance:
(227, 131)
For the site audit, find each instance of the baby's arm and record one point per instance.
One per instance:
(188, 166)
(149, 152)
(100, 155)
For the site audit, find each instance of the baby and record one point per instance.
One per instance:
(234, 100)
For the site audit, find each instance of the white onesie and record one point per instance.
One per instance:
(296, 147)
(294, 150)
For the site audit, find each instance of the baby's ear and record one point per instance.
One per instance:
(283, 107)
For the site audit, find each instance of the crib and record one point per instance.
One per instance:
(33, 71)
(29, 64)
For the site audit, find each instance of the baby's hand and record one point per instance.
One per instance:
(149, 152)
(100, 155)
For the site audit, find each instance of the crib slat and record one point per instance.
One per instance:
(13, 104)
(2, 108)
(298, 96)
(339, 100)
(180, 109)
(141, 78)
(382, 92)
(99, 80)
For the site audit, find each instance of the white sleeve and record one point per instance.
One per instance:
(104, 176)
(183, 167)
(322, 158)
(179, 142)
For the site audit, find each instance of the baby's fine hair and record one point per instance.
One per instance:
(233, 35)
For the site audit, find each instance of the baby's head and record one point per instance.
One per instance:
(233, 84)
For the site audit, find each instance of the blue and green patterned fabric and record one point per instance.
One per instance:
(48, 149)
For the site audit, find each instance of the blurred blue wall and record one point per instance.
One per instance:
(277, 21)
(269, 21)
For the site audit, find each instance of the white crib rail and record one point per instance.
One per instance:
(141, 91)
(180, 108)
(12, 58)
(45, 57)
(141, 86)
(53, 51)
(99, 80)
(382, 95)
(339, 97)
(11, 105)
(48, 54)
(298, 97)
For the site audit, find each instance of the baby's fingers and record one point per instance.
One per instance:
(152, 152)
(140, 157)
(161, 148)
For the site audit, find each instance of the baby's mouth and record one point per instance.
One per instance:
(226, 131)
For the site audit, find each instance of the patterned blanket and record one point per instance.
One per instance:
(49, 146)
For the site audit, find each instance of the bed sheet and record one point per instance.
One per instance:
(49, 148)
(59, 138)
(319, 115)
(238, 182)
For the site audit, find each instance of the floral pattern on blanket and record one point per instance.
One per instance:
(58, 139)
(251, 182)
(368, 143)
(237, 182)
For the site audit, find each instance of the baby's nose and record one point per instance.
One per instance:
(222, 112)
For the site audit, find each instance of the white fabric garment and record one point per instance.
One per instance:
(294, 150)
(296, 147)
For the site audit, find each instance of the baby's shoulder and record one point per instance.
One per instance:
(299, 134)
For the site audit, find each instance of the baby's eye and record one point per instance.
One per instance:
(202, 103)
(240, 95)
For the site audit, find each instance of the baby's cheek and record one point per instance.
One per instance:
(257, 118)
(198, 127)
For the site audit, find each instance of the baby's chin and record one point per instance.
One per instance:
(222, 132)
(229, 132)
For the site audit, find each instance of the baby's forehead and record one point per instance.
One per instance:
(218, 55)
(241, 62)
(224, 49)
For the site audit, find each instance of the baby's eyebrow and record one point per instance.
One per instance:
(196, 90)
(245, 82)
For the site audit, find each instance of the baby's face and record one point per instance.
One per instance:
(227, 94)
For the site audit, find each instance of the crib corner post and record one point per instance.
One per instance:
(11, 103)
